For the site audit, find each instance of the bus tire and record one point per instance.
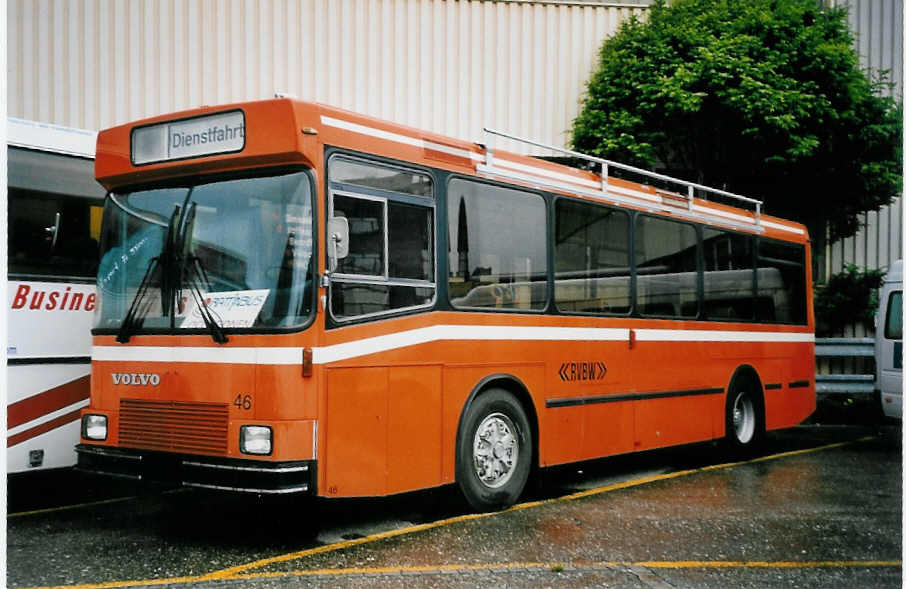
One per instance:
(745, 427)
(493, 451)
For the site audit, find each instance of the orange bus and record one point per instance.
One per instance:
(293, 298)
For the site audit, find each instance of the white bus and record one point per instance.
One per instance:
(54, 223)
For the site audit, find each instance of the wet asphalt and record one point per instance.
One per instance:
(820, 506)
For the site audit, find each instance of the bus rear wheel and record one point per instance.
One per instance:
(744, 418)
(493, 451)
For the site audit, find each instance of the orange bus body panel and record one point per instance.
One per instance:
(380, 413)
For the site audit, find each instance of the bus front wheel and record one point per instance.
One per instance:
(494, 451)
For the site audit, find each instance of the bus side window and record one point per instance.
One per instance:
(498, 243)
(666, 267)
(591, 258)
(53, 235)
(781, 282)
(729, 276)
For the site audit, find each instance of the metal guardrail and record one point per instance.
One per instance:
(845, 347)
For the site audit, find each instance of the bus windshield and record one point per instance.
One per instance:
(234, 253)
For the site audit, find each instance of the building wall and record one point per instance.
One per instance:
(449, 66)
(878, 28)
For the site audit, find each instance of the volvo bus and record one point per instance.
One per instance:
(55, 209)
(293, 298)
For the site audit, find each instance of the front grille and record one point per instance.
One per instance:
(174, 426)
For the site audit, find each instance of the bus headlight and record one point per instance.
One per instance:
(255, 439)
(94, 427)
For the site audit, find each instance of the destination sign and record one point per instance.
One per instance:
(188, 138)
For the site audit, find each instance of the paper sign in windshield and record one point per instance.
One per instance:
(235, 308)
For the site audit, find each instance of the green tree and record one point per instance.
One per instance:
(760, 97)
(847, 298)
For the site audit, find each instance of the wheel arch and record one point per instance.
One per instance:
(748, 373)
(743, 373)
(515, 387)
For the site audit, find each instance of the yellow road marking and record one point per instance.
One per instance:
(565, 567)
(506, 566)
(528, 505)
(81, 505)
(69, 507)
(237, 571)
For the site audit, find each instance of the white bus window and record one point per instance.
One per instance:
(53, 235)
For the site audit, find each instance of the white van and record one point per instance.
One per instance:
(889, 342)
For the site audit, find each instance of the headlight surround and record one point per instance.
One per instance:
(94, 427)
(256, 439)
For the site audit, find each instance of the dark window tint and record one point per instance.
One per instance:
(411, 238)
(498, 243)
(665, 257)
(366, 235)
(893, 326)
(781, 282)
(52, 234)
(591, 258)
(729, 279)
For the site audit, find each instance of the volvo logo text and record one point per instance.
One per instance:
(136, 378)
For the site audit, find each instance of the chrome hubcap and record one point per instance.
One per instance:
(495, 450)
(743, 418)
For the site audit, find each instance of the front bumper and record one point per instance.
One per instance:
(206, 472)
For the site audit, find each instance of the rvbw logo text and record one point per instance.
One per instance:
(136, 378)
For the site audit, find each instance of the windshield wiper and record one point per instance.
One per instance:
(157, 265)
(173, 266)
(192, 272)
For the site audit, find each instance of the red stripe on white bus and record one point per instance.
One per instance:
(43, 428)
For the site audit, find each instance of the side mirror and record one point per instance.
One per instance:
(337, 239)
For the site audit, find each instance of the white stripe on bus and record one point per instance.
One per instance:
(564, 182)
(435, 333)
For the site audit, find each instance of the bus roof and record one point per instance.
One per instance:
(285, 130)
(53, 138)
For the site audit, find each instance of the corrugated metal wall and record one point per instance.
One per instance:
(443, 65)
(878, 27)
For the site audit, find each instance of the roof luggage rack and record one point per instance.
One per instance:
(686, 199)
